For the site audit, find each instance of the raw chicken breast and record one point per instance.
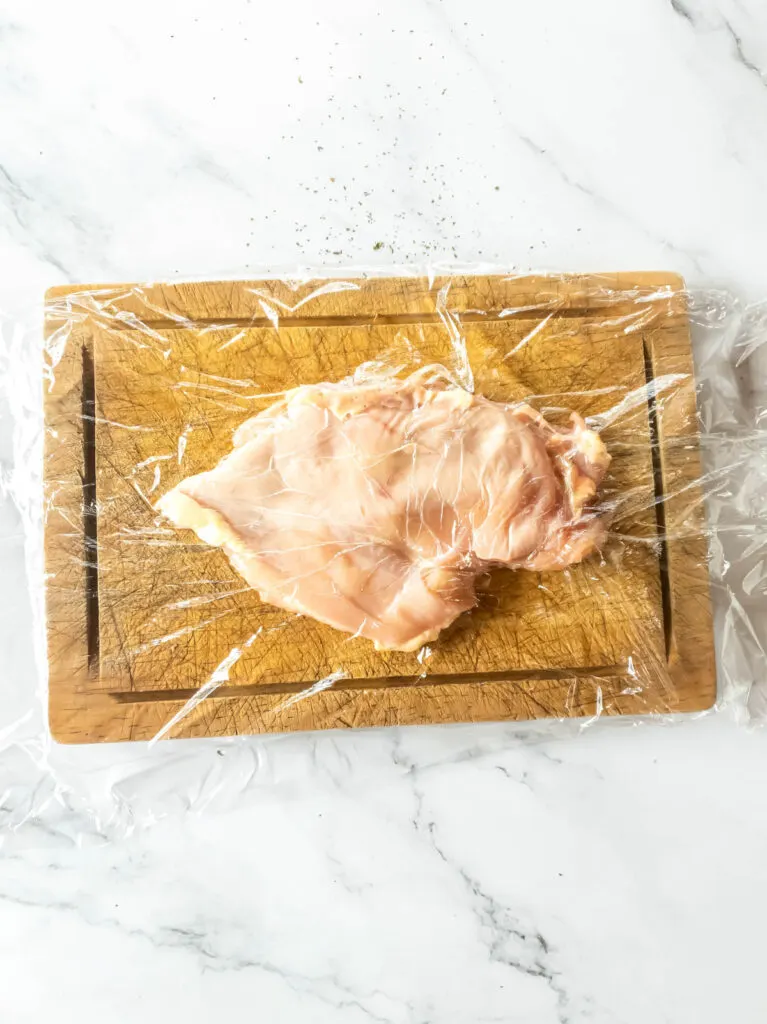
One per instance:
(374, 507)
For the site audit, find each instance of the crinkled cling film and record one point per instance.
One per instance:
(320, 502)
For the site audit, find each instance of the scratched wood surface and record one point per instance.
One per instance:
(152, 380)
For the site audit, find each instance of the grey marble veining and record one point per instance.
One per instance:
(412, 876)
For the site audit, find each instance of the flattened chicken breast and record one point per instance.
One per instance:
(374, 507)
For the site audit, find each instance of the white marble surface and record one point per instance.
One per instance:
(440, 876)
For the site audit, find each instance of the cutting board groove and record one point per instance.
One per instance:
(521, 655)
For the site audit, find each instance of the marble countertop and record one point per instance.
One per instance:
(444, 876)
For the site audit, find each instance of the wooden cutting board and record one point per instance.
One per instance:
(147, 384)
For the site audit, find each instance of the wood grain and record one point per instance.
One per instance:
(177, 367)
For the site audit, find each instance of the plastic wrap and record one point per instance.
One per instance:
(533, 499)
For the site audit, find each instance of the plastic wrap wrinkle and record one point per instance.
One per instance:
(519, 489)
